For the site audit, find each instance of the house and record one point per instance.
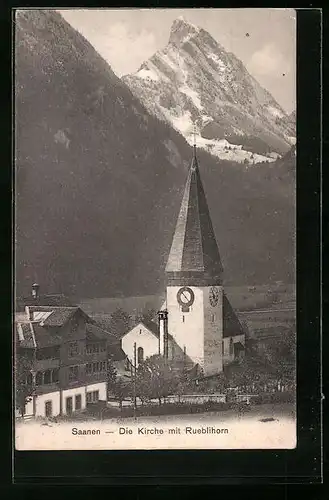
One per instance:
(66, 354)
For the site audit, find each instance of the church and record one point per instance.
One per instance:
(196, 322)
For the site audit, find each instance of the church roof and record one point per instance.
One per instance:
(194, 247)
(231, 323)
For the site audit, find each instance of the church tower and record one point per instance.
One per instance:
(194, 280)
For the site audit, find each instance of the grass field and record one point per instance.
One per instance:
(242, 298)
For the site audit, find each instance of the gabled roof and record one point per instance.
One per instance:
(149, 325)
(24, 334)
(97, 333)
(57, 316)
(194, 247)
(231, 323)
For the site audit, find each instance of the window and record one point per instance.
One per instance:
(127, 365)
(96, 367)
(29, 378)
(48, 353)
(223, 347)
(73, 349)
(55, 375)
(95, 348)
(92, 397)
(78, 402)
(73, 373)
(47, 377)
(48, 409)
(74, 324)
(140, 355)
(69, 405)
(39, 378)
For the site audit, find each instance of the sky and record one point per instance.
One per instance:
(263, 39)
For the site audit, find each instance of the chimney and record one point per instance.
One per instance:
(35, 290)
(163, 333)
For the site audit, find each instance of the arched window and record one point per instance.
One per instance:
(47, 377)
(140, 355)
(38, 378)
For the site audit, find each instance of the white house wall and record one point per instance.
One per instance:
(100, 387)
(143, 338)
(227, 357)
(40, 401)
(72, 393)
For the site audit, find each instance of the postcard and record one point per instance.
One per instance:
(155, 162)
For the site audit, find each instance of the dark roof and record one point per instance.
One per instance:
(117, 353)
(194, 247)
(45, 337)
(150, 325)
(25, 335)
(44, 300)
(95, 332)
(59, 316)
(238, 346)
(231, 323)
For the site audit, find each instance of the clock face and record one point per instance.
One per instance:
(213, 296)
(185, 296)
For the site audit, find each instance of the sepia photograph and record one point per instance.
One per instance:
(155, 229)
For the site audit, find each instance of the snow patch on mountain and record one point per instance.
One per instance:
(275, 112)
(147, 73)
(193, 83)
(193, 95)
(221, 66)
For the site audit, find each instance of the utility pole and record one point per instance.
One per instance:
(135, 374)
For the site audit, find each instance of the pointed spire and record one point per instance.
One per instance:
(194, 253)
(194, 164)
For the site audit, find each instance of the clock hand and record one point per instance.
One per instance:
(187, 298)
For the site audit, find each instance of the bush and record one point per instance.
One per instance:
(275, 397)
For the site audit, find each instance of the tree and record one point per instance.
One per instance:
(121, 389)
(120, 321)
(111, 377)
(156, 378)
(147, 315)
(23, 383)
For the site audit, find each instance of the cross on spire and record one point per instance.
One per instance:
(194, 135)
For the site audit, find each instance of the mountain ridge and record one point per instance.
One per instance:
(193, 80)
(99, 180)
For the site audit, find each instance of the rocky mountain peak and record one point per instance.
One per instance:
(195, 82)
(181, 30)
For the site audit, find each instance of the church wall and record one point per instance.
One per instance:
(213, 333)
(143, 338)
(228, 356)
(187, 328)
